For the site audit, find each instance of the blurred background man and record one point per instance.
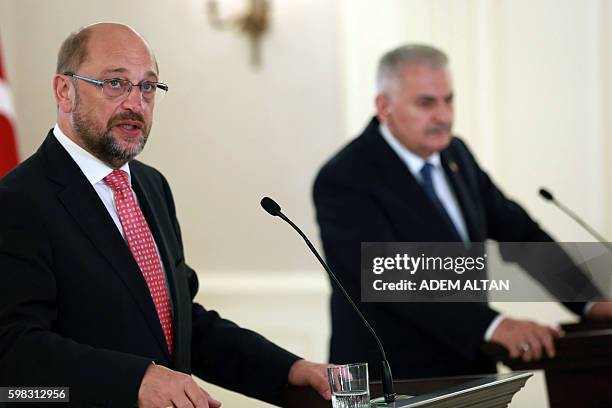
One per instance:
(407, 179)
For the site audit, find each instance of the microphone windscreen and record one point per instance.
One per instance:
(546, 194)
(270, 206)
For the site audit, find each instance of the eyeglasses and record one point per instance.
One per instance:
(116, 87)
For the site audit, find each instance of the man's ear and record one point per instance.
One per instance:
(64, 93)
(382, 107)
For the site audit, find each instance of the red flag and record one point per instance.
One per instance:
(8, 143)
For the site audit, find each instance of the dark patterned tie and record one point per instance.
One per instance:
(428, 186)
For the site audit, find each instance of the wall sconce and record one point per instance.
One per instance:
(253, 23)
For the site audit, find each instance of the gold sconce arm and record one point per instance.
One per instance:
(253, 22)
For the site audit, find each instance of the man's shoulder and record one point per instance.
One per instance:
(349, 155)
(354, 156)
(24, 176)
(24, 190)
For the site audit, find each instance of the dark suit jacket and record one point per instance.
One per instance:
(365, 193)
(75, 309)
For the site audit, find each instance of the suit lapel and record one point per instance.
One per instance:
(455, 175)
(146, 203)
(393, 171)
(84, 205)
(179, 294)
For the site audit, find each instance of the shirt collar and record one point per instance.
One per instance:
(412, 161)
(93, 168)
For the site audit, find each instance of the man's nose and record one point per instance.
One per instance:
(133, 100)
(444, 113)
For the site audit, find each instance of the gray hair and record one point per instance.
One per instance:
(73, 51)
(391, 63)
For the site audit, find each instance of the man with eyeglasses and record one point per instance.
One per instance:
(95, 293)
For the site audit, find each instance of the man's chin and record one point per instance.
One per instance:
(440, 141)
(119, 153)
(132, 143)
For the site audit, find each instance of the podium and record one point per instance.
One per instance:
(581, 373)
(484, 391)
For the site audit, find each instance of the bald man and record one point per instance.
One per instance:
(95, 293)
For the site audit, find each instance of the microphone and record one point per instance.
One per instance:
(274, 209)
(547, 195)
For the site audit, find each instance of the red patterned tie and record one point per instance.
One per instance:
(142, 246)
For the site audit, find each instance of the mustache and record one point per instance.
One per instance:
(440, 127)
(127, 116)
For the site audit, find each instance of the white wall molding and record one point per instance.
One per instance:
(258, 282)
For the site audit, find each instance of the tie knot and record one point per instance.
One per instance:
(426, 170)
(118, 180)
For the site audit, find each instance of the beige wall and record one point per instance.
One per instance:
(532, 91)
(533, 94)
